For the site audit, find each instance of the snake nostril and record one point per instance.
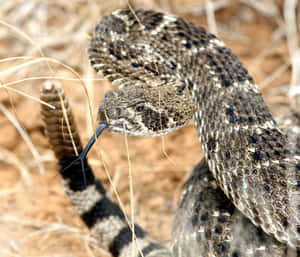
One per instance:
(102, 116)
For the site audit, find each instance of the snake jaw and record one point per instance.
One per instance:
(118, 127)
(123, 126)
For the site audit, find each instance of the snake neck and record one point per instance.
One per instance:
(250, 157)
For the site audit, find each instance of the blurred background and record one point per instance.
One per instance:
(47, 40)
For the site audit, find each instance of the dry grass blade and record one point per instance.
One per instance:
(21, 33)
(199, 9)
(47, 60)
(43, 228)
(26, 95)
(18, 67)
(25, 136)
(12, 159)
(266, 7)
(28, 38)
(290, 8)
(131, 192)
(268, 80)
(211, 20)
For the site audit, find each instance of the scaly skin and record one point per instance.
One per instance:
(251, 159)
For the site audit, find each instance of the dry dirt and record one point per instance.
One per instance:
(36, 218)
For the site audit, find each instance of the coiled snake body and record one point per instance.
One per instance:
(169, 70)
(250, 158)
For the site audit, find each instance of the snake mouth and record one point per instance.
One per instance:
(118, 127)
(123, 127)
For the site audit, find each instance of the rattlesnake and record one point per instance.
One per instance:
(169, 70)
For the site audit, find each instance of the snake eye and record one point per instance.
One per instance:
(139, 107)
(118, 111)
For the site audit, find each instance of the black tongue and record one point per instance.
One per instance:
(92, 140)
(82, 157)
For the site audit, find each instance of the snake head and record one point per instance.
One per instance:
(149, 111)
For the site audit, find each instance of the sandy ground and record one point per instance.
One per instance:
(36, 218)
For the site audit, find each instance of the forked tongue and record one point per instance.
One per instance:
(87, 148)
